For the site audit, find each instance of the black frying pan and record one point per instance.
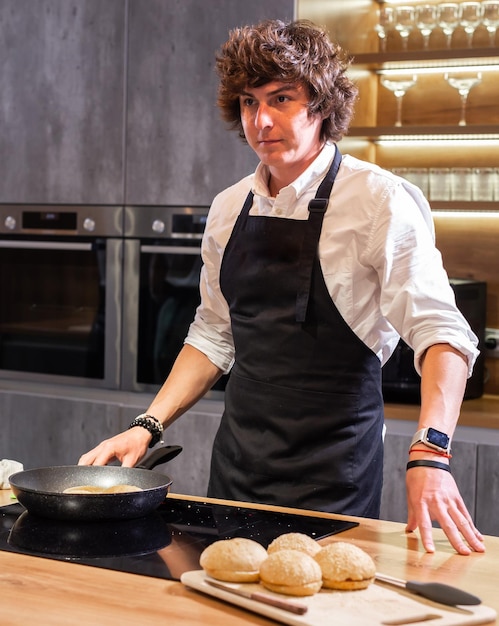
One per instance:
(40, 490)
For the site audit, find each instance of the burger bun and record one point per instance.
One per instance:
(233, 560)
(291, 572)
(345, 566)
(294, 541)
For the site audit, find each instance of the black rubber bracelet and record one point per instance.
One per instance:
(426, 463)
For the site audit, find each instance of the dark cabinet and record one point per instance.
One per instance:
(178, 149)
(62, 106)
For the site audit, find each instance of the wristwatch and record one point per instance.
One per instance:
(432, 438)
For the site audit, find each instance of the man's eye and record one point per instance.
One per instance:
(282, 99)
(247, 102)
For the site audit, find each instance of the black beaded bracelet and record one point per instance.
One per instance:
(155, 430)
(154, 419)
(426, 463)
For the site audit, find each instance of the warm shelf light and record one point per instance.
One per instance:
(438, 68)
(391, 1)
(441, 140)
(486, 215)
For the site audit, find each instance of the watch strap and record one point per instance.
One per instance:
(420, 437)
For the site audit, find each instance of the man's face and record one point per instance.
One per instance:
(278, 127)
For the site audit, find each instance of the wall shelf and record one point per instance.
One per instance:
(461, 205)
(423, 58)
(474, 131)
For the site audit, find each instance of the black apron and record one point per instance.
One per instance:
(303, 418)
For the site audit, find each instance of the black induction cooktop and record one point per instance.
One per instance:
(163, 544)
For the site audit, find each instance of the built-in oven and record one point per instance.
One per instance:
(60, 294)
(162, 263)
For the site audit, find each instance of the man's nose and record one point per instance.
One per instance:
(263, 117)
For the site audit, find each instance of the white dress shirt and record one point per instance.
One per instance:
(377, 253)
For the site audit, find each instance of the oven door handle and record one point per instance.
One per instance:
(170, 250)
(45, 245)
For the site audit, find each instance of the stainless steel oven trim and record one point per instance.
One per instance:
(130, 315)
(92, 220)
(156, 222)
(44, 245)
(114, 302)
(147, 249)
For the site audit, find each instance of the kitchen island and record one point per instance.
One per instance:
(52, 593)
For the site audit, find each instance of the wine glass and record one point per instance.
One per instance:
(426, 21)
(386, 21)
(448, 19)
(470, 17)
(399, 85)
(490, 18)
(404, 23)
(463, 82)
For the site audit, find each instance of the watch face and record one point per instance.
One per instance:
(437, 438)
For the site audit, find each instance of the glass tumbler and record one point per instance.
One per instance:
(461, 184)
(483, 184)
(439, 184)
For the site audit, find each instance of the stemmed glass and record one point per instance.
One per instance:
(490, 18)
(426, 21)
(463, 82)
(404, 23)
(386, 21)
(448, 19)
(399, 85)
(470, 17)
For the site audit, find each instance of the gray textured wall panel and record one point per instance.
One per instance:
(487, 519)
(178, 149)
(61, 109)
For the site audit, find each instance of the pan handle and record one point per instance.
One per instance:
(158, 456)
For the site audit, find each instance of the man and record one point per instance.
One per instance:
(305, 289)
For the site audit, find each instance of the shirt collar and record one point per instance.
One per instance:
(314, 172)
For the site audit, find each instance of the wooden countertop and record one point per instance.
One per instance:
(55, 593)
(481, 413)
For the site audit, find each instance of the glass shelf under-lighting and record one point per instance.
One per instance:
(472, 134)
(438, 59)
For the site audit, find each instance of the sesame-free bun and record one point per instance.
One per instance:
(294, 541)
(291, 572)
(345, 566)
(233, 560)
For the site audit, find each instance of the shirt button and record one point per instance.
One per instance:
(278, 211)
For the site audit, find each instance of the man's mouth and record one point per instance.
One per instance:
(268, 142)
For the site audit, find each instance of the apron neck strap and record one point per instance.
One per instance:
(316, 207)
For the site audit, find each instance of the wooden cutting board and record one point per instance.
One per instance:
(375, 606)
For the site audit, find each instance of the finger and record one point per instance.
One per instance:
(474, 532)
(424, 525)
(130, 460)
(86, 459)
(456, 530)
(426, 534)
(465, 527)
(412, 523)
(101, 455)
(470, 533)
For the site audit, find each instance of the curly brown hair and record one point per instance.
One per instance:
(290, 52)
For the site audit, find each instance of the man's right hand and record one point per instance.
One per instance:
(128, 447)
